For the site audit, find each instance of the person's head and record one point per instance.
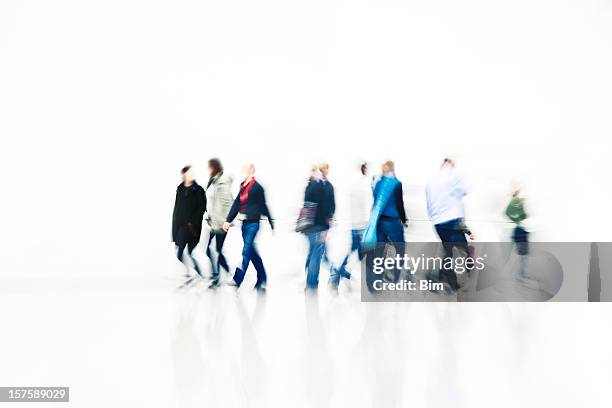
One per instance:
(364, 168)
(515, 188)
(448, 161)
(388, 167)
(248, 169)
(187, 174)
(314, 172)
(214, 167)
(324, 169)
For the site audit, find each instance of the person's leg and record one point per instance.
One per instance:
(395, 233)
(248, 236)
(316, 249)
(181, 243)
(257, 261)
(340, 272)
(460, 249)
(180, 248)
(356, 236)
(219, 241)
(215, 271)
(190, 247)
(446, 274)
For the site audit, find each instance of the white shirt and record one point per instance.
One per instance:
(361, 201)
(444, 193)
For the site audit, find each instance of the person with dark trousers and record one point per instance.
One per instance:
(444, 194)
(219, 201)
(392, 220)
(515, 211)
(189, 209)
(320, 192)
(250, 204)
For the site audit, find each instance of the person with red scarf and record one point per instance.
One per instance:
(250, 204)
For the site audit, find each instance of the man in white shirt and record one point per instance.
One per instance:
(361, 207)
(444, 193)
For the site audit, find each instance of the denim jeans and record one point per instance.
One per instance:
(250, 254)
(317, 236)
(452, 235)
(390, 231)
(342, 272)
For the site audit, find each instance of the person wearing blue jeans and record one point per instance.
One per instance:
(250, 203)
(361, 207)
(390, 226)
(321, 192)
(342, 272)
(250, 254)
(317, 235)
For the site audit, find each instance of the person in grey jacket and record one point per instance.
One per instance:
(219, 201)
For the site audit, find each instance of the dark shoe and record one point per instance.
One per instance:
(238, 277)
(260, 285)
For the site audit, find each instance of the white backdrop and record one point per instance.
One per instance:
(101, 103)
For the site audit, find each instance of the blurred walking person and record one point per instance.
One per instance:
(189, 209)
(444, 193)
(320, 192)
(250, 205)
(360, 198)
(219, 201)
(388, 192)
(515, 211)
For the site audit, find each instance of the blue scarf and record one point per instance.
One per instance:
(387, 186)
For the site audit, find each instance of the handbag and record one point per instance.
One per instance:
(306, 218)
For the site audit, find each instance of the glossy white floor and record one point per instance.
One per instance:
(154, 342)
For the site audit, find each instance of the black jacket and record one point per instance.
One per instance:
(255, 205)
(321, 192)
(189, 208)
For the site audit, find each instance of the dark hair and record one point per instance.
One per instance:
(185, 169)
(216, 166)
(364, 168)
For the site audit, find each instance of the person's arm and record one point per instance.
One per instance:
(201, 205)
(233, 212)
(225, 193)
(195, 218)
(264, 207)
(399, 202)
(333, 202)
(308, 191)
(459, 188)
(428, 200)
(174, 221)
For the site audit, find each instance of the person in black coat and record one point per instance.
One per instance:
(189, 208)
(250, 203)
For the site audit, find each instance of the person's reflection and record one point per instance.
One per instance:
(188, 360)
(318, 372)
(381, 355)
(254, 376)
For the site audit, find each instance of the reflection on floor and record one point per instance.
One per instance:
(126, 344)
